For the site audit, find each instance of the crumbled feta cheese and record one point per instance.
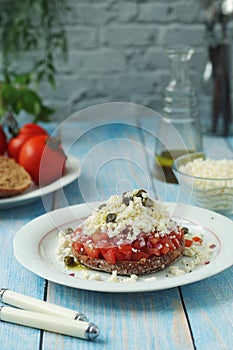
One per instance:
(150, 279)
(113, 277)
(84, 275)
(132, 219)
(64, 246)
(191, 252)
(176, 270)
(197, 254)
(131, 279)
(95, 277)
(220, 170)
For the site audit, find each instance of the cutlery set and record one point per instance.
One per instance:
(35, 313)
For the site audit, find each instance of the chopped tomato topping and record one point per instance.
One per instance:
(109, 255)
(176, 242)
(154, 251)
(167, 242)
(136, 245)
(197, 239)
(101, 246)
(154, 240)
(164, 250)
(188, 242)
(78, 246)
(91, 251)
(78, 230)
(136, 256)
(124, 252)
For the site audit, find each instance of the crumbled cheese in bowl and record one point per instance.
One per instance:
(221, 170)
(211, 182)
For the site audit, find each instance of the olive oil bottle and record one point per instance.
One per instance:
(163, 165)
(179, 130)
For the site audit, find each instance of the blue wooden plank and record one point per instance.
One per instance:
(16, 277)
(114, 152)
(209, 301)
(209, 305)
(126, 321)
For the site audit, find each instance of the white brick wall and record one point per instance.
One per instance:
(116, 52)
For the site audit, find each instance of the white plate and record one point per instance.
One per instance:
(35, 245)
(34, 192)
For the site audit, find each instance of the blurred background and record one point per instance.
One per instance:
(109, 50)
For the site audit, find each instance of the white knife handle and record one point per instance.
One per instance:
(52, 323)
(31, 304)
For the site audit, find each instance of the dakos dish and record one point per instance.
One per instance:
(129, 234)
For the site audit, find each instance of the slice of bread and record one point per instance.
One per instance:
(14, 179)
(142, 267)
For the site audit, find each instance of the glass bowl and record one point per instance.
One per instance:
(212, 191)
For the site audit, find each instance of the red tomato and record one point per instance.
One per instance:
(154, 240)
(109, 255)
(25, 133)
(136, 256)
(78, 247)
(92, 251)
(104, 247)
(176, 242)
(164, 250)
(167, 243)
(188, 242)
(197, 239)
(3, 141)
(153, 251)
(44, 159)
(124, 252)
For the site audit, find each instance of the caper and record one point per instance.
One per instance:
(69, 231)
(140, 193)
(147, 202)
(185, 230)
(111, 217)
(69, 260)
(126, 200)
(101, 206)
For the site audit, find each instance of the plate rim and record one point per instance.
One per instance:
(46, 221)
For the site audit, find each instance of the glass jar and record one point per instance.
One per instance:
(179, 130)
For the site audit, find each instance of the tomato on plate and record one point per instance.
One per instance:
(25, 133)
(91, 251)
(101, 246)
(124, 252)
(188, 243)
(3, 141)
(43, 157)
(197, 239)
(136, 256)
(109, 255)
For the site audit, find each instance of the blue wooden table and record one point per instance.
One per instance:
(113, 158)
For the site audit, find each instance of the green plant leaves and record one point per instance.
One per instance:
(17, 98)
(30, 25)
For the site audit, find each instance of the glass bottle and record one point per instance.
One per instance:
(179, 130)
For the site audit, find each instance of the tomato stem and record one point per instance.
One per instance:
(11, 123)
